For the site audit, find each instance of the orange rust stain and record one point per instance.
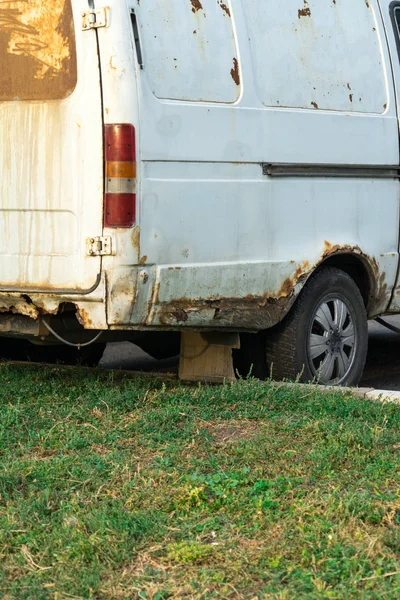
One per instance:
(196, 6)
(83, 318)
(111, 64)
(235, 72)
(19, 308)
(38, 58)
(288, 286)
(329, 248)
(304, 12)
(156, 293)
(136, 238)
(225, 8)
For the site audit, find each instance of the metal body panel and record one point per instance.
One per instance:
(231, 246)
(51, 159)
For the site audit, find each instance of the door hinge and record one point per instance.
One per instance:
(99, 246)
(94, 19)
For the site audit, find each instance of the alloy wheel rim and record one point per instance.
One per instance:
(332, 342)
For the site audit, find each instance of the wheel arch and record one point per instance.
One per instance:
(365, 272)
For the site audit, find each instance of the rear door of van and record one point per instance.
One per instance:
(51, 148)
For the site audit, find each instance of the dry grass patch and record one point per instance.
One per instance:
(233, 432)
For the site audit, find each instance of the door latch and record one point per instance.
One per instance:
(99, 246)
(94, 19)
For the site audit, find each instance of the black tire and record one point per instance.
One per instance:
(249, 360)
(292, 347)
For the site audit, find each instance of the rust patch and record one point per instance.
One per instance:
(143, 260)
(196, 6)
(19, 308)
(252, 313)
(83, 318)
(235, 72)
(136, 238)
(315, 105)
(38, 56)
(111, 64)
(180, 315)
(304, 12)
(288, 286)
(225, 8)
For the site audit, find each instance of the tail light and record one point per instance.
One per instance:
(120, 171)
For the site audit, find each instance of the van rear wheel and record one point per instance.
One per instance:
(325, 336)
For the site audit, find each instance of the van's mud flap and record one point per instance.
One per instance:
(207, 357)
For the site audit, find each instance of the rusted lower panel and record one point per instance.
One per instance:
(258, 312)
(252, 312)
(90, 312)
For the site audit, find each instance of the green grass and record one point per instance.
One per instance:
(118, 488)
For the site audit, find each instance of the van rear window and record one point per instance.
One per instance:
(396, 21)
(37, 50)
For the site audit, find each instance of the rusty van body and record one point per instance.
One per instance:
(201, 166)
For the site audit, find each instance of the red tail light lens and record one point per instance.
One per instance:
(120, 143)
(120, 185)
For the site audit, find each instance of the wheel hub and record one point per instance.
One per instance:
(335, 341)
(332, 342)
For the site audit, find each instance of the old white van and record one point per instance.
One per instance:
(201, 167)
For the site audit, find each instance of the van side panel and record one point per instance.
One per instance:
(227, 244)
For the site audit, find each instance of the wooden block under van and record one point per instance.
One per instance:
(207, 357)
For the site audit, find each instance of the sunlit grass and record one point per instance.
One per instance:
(120, 488)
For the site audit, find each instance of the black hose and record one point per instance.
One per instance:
(387, 325)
